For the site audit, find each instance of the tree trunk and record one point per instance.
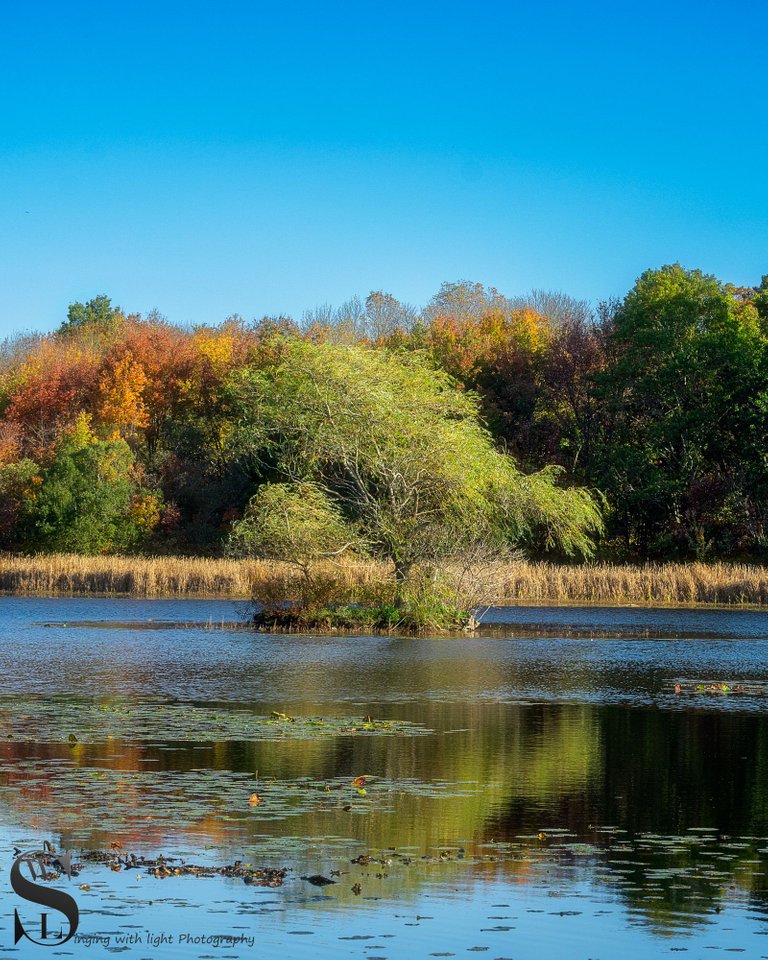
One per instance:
(402, 569)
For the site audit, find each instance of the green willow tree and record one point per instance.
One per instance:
(400, 465)
(294, 522)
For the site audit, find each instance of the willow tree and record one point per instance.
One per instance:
(394, 452)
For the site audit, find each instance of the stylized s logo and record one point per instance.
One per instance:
(44, 895)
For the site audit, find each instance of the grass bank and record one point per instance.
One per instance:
(522, 582)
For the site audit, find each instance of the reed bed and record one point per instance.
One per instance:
(521, 582)
(658, 584)
(72, 575)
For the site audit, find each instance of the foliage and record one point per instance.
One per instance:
(84, 498)
(684, 393)
(396, 458)
(400, 451)
(760, 301)
(122, 403)
(510, 406)
(18, 480)
(97, 314)
(296, 522)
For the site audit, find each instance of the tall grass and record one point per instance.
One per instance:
(61, 574)
(652, 583)
(522, 582)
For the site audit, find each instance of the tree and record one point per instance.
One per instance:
(464, 300)
(567, 414)
(295, 522)
(400, 454)
(121, 393)
(84, 501)
(18, 480)
(97, 314)
(385, 315)
(761, 300)
(683, 397)
(45, 391)
(559, 308)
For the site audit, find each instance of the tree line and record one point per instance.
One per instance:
(635, 430)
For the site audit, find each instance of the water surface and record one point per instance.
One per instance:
(539, 788)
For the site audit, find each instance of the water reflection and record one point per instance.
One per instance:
(552, 761)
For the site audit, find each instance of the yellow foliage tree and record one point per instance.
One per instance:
(217, 347)
(121, 390)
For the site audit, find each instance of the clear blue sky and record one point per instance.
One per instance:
(219, 157)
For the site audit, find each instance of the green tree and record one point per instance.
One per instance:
(17, 484)
(87, 497)
(97, 314)
(761, 300)
(400, 454)
(683, 428)
(294, 522)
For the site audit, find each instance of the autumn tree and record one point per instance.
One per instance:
(47, 389)
(121, 400)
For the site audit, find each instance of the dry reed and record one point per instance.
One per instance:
(522, 582)
(73, 575)
(653, 583)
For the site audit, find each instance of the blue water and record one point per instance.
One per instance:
(549, 792)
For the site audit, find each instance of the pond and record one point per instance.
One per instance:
(537, 790)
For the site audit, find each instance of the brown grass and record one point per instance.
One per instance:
(522, 582)
(653, 584)
(73, 575)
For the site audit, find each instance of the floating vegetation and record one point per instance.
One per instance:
(675, 877)
(162, 867)
(71, 795)
(62, 720)
(753, 688)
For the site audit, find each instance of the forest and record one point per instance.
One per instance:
(634, 430)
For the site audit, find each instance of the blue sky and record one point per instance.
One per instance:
(259, 158)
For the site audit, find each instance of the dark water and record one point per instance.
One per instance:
(539, 790)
